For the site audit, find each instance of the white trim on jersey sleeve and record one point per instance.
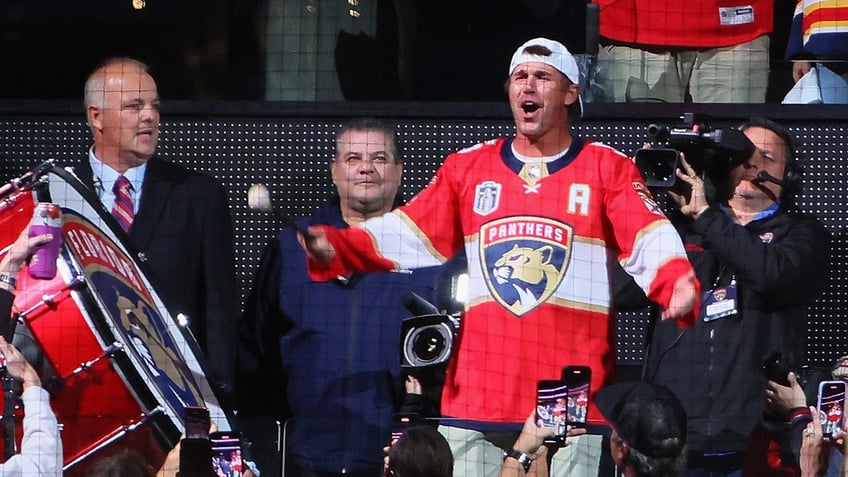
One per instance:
(652, 249)
(398, 242)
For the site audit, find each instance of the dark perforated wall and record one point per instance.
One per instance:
(290, 156)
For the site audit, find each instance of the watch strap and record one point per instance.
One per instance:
(524, 459)
(9, 280)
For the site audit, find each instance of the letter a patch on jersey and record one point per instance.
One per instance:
(486, 197)
(525, 260)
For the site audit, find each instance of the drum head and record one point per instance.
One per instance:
(120, 325)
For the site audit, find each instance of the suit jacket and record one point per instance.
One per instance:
(184, 234)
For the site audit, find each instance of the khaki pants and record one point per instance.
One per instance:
(737, 74)
(474, 456)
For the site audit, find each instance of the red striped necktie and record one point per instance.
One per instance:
(123, 208)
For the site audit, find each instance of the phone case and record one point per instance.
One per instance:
(831, 406)
(196, 421)
(577, 379)
(401, 422)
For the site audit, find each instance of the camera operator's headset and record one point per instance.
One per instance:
(793, 178)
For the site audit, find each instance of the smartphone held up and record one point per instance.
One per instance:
(196, 419)
(577, 379)
(831, 407)
(551, 410)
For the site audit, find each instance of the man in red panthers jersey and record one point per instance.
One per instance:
(540, 215)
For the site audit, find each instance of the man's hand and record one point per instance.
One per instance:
(21, 250)
(780, 400)
(314, 241)
(799, 69)
(683, 298)
(18, 367)
(814, 452)
(532, 436)
(695, 203)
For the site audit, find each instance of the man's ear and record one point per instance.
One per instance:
(572, 92)
(94, 117)
(619, 450)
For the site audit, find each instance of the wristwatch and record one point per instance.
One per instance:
(8, 280)
(522, 458)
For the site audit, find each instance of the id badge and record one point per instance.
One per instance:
(719, 303)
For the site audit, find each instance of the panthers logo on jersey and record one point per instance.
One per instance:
(525, 259)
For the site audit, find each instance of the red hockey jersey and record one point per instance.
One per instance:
(539, 238)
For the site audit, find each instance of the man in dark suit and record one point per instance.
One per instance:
(177, 219)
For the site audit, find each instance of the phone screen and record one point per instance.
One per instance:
(401, 422)
(196, 420)
(577, 379)
(831, 404)
(551, 409)
(226, 454)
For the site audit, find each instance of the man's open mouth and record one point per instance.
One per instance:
(529, 106)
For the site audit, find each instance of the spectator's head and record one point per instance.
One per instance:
(420, 452)
(775, 154)
(543, 88)
(649, 428)
(840, 369)
(124, 463)
(122, 108)
(366, 169)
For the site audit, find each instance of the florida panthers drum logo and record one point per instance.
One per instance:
(525, 260)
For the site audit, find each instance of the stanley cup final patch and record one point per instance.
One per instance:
(487, 196)
(525, 260)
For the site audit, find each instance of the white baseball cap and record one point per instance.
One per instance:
(560, 58)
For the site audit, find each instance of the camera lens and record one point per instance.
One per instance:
(427, 345)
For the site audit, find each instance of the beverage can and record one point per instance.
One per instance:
(46, 219)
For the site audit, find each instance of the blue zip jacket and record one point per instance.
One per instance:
(325, 356)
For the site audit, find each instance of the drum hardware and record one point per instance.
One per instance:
(50, 300)
(183, 320)
(16, 194)
(26, 182)
(109, 352)
(119, 433)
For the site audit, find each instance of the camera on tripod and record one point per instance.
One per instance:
(713, 152)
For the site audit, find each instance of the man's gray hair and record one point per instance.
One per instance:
(94, 85)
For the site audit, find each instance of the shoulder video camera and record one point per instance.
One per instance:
(710, 151)
(426, 340)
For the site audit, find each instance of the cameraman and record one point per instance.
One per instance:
(761, 264)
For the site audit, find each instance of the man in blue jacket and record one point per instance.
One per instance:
(324, 356)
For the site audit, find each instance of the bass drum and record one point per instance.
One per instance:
(118, 366)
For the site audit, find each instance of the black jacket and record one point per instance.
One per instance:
(780, 266)
(184, 229)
